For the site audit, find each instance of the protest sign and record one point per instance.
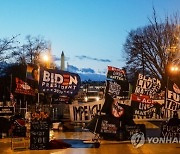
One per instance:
(23, 88)
(39, 138)
(147, 85)
(85, 111)
(116, 73)
(59, 82)
(146, 108)
(172, 99)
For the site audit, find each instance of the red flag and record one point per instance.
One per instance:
(23, 88)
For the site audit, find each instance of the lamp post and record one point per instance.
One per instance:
(46, 60)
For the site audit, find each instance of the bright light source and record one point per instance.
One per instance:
(174, 68)
(97, 98)
(45, 58)
(86, 98)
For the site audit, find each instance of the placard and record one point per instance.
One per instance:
(39, 132)
(19, 128)
(116, 73)
(117, 89)
(146, 108)
(6, 110)
(172, 99)
(131, 130)
(106, 126)
(147, 86)
(170, 132)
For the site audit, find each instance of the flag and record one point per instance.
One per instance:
(118, 89)
(172, 99)
(146, 108)
(116, 73)
(23, 88)
(59, 82)
(147, 86)
(32, 73)
(114, 107)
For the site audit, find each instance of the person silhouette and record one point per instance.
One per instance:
(175, 121)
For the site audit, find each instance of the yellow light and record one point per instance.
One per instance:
(174, 68)
(45, 58)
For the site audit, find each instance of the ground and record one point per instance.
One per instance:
(106, 147)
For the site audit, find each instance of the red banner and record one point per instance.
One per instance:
(141, 98)
(23, 88)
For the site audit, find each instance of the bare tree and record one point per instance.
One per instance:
(31, 50)
(7, 46)
(153, 48)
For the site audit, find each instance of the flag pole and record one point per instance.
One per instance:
(10, 88)
(38, 84)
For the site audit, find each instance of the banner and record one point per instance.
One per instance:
(59, 82)
(172, 99)
(23, 88)
(32, 73)
(147, 86)
(85, 112)
(106, 126)
(146, 108)
(111, 128)
(6, 110)
(119, 89)
(116, 73)
(117, 108)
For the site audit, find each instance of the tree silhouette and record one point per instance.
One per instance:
(153, 48)
(30, 51)
(7, 47)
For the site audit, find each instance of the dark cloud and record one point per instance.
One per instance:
(87, 70)
(86, 73)
(58, 58)
(72, 68)
(90, 58)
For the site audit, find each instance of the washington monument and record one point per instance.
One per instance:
(62, 61)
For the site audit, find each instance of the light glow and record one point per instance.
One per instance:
(45, 58)
(174, 69)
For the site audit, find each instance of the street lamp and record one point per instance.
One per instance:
(46, 60)
(174, 69)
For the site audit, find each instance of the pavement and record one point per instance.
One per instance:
(106, 147)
